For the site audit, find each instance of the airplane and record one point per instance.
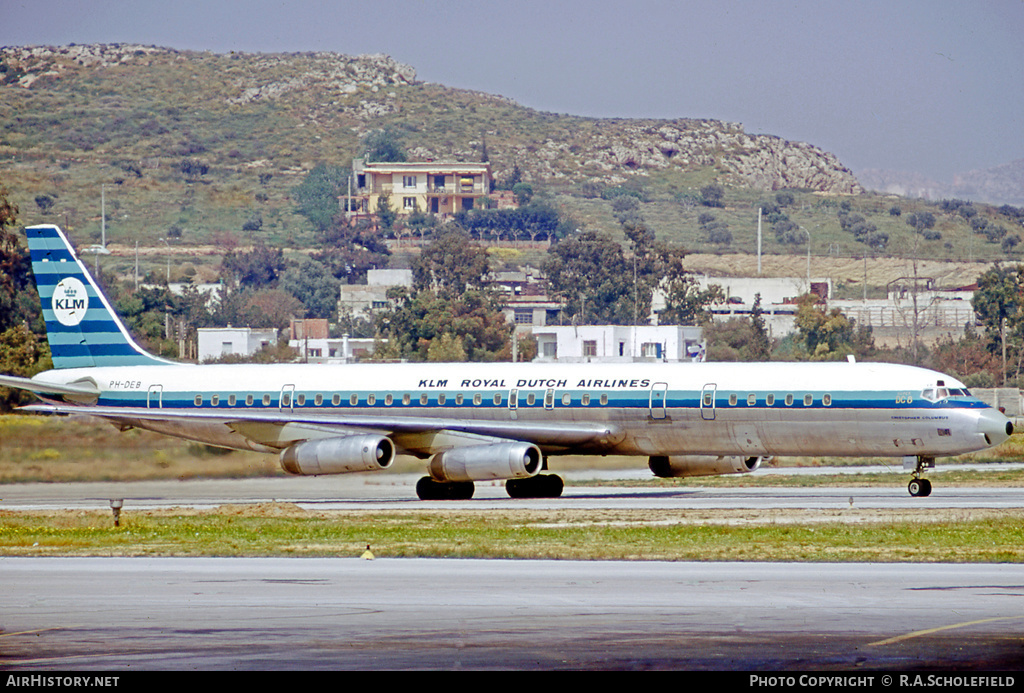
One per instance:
(494, 421)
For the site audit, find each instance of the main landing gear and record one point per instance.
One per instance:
(540, 486)
(919, 487)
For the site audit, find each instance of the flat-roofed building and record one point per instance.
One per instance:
(216, 342)
(618, 343)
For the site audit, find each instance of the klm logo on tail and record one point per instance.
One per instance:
(81, 327)
(70, 301)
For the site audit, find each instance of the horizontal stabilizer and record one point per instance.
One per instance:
(44, 388)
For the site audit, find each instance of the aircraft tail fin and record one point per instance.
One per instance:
(81, 327)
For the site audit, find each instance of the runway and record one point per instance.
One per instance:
(138, 614)
(309, 614)
(388, 491)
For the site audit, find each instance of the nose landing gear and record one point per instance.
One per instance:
(919, 487)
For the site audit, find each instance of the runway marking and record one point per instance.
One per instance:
(29, 632)
(929, 631)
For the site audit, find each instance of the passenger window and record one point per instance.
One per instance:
(808, 400)
(770, 400)
(708, 399)
(389, 399)
(566, 399)
(371, 400)
(406, 399)
(826, 400)
(300, 400)
(231, 400)
(751, 399)
(215, 400)
(477, 399)
(336, 399)
(424, 399)
(531, 399)
(266, 400)
(441, 398)
(248, 400)
(497, 400)
(459, 398)
(789, 400)
(353, 399)
(604, 399)
(199, 400)
(732, 400)
(586, 400)
(318, 400)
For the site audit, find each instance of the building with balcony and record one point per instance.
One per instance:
(432, 187)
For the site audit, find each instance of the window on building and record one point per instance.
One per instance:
(524, 316)
(550, 349)
(409, 204)
(408, 181)
(590, 347)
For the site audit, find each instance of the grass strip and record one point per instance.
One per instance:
(958, 536)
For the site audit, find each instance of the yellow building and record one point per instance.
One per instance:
(432, 187)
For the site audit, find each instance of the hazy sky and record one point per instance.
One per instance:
(932, 86)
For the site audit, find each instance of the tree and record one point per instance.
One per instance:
(761, 343)
(383, 145)
(999, 305)
(23, 354)
(317, 194)
(711, 195)
(350, 251)
(450, 264)
(312, 283)
(386, 214)
(19, 301)
(685, 302)
(258, 268)
(417, 322)
(523, 193)
(590, 274)
(829, 335)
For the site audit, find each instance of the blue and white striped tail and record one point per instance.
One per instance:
(81, 327)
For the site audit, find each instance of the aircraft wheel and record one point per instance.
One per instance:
(919, 488)
(542, 486)
(429, 489)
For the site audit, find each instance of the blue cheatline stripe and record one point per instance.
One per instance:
(98, 339)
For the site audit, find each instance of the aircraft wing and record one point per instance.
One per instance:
(413, 434)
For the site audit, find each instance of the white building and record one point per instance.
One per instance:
(215, 342)
(617, 344)
(363, 299)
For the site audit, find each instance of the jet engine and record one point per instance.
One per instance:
(478, 462)
(339, 455)
(671, 466)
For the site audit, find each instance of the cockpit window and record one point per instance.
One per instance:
(934, 394)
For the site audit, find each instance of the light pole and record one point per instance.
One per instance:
(808, 258)
(164, 241)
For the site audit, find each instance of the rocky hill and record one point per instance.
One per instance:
(141, 107)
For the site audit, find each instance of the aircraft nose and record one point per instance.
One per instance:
(994, 426)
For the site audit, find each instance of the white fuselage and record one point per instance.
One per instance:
(750, 409)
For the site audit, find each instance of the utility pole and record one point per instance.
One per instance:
(759, 241)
